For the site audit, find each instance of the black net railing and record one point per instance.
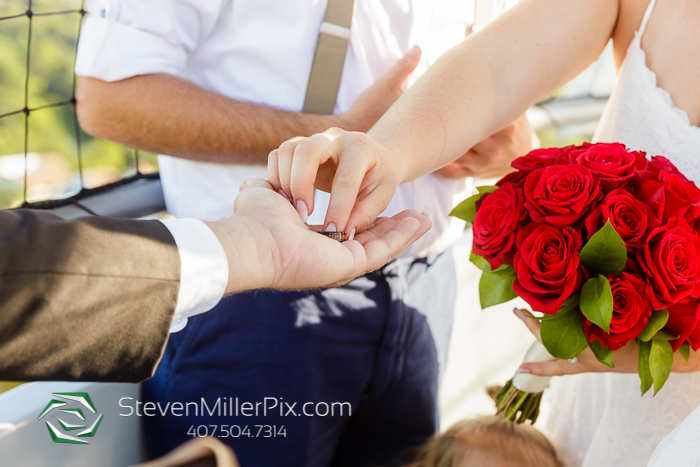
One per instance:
(76, 16)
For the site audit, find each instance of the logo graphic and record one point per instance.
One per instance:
(75, 415)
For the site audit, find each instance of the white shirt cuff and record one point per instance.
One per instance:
(203, 269)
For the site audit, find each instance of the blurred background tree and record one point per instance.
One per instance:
(51, 134)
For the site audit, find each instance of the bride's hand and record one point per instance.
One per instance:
(359, 174)
(625, 358)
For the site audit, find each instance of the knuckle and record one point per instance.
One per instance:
(306, 146)
(286, 148)
(345, 180)
(358, 139)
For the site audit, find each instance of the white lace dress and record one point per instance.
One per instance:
(601, 420)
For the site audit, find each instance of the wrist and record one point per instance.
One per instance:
(345, 121)
(394, 158)
(243, 245)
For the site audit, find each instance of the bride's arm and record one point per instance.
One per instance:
(626, 358)
(470, 93)
(483, 84)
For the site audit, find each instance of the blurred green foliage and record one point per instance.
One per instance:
(51, 62)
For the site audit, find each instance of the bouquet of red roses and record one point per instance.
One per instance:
(604, 243)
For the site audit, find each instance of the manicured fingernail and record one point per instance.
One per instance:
(524, 370)
(302, 210)
(516, 309)
(352, 234)
(414, 51)
(331, 228)
(281, 191)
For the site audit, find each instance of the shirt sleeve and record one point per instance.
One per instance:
(125, 38)
(203, 269)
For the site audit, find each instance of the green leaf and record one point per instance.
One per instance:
(480, 262)
(563, 336)
(604, 356)
(684, 350)
(605, 253)
(571, 302)
(660, 363)
(664, 336)
(497, 286)
(657, 320)
(486, 189)
(643, 366)
(466, 210)
(597, 301)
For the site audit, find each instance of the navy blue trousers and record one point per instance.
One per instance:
(365, 358)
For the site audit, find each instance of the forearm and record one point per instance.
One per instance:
(166, 115)
(486, 82)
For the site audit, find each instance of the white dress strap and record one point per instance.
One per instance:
(647, 15)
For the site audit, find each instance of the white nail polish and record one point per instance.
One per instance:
(302, 210)
(331, 227)
(352, 234)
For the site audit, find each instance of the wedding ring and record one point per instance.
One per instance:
(340, 236)
(573, 360)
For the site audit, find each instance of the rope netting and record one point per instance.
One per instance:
(78, 14)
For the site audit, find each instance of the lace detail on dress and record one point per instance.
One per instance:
(601, 420)
(651, 76)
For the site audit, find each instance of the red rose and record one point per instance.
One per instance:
(631, 312)
(668, 191)
(541, 158)
(631, 218)
(682, 322)
(671, 261)
(495, 225)
(547, 265)
(611, 163)
(561, 194)
(661, 164)
(517, 179)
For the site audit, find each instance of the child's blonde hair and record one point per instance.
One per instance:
(516, 444)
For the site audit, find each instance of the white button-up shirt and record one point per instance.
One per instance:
(261, 51)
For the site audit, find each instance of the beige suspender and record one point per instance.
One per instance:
(329, 58)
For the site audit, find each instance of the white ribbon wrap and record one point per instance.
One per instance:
(527, 382)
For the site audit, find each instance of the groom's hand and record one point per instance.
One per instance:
(492, 157)
(268, 245)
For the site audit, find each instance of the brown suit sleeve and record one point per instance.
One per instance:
(85, 300)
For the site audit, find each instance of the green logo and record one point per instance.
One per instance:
(76, 418)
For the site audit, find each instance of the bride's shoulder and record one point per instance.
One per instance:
(629, 18)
